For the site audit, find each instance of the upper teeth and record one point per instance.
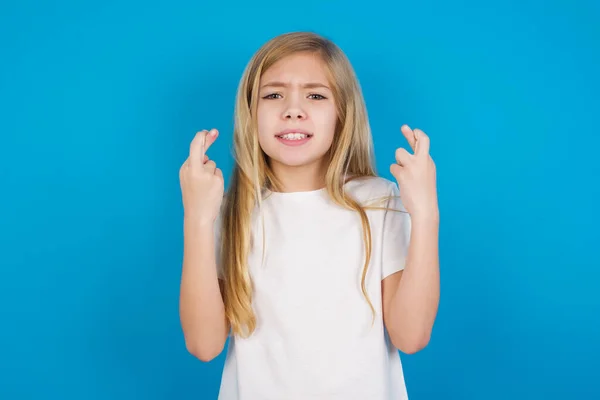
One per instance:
(294, 136)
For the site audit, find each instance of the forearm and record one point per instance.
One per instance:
(202, 311)
(415, 302)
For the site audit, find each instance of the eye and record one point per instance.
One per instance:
(318, 96)
(271, 96)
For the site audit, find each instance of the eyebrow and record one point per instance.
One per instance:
(311, 85)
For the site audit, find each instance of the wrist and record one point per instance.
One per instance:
(198, 222)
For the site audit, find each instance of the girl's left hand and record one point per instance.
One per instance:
(416, 176)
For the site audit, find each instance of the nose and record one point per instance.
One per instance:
(293, 110)
(294, 113)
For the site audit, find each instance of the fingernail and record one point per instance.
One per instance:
(213, 132)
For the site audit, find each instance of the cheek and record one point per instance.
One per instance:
(260, 116)
(326, 118)
(263, 120)
(266, 120)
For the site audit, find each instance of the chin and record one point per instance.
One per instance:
(293, 161)
(294, 156)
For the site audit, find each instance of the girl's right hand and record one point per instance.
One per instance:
(201, 181)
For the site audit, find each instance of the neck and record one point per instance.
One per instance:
(300, 178)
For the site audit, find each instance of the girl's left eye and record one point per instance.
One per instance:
(318, 96)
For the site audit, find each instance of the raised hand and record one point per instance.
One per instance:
(416, 175)
(202, 184)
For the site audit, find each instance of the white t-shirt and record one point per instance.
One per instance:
(314, 338)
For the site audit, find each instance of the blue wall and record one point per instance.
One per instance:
(99, 103)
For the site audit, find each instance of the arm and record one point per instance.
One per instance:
(201, 308)
(411, 297)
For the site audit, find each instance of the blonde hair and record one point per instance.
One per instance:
(350, 156)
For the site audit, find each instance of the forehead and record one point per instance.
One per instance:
(297, 68)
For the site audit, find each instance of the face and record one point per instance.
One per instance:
(296, 112)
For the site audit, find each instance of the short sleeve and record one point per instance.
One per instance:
(396, 234)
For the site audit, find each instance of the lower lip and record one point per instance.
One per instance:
(292, 142)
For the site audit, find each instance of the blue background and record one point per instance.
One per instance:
(99, 102)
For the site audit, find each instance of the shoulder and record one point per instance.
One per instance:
(368, 188)
(375, 192)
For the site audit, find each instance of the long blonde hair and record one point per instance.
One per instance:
(350, 156)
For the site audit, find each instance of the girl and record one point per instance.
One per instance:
(313, 263)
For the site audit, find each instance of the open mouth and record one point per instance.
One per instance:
(294, 138)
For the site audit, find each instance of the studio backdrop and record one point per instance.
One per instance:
(99, 102)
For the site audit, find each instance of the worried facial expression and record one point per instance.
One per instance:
(296, 111)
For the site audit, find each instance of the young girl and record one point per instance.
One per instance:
(320, 269)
